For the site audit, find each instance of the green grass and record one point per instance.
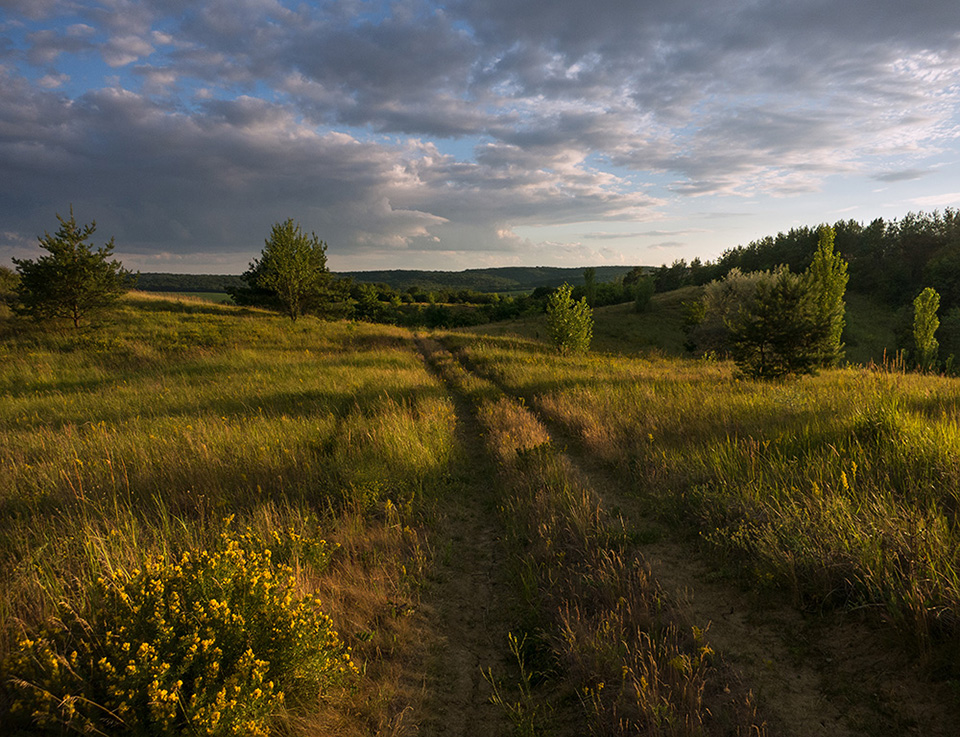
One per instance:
(841, 490)
(596, 623)
(133, 443)
(618, 329)
(139, 439)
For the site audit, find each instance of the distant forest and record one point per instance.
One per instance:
(507, 279)
(890, 260)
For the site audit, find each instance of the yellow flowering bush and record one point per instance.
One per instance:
(210, 642)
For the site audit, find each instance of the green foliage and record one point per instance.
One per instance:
(707, 321)
(164, 282)
(668, 278)
(643, 293)
(569, 323)
(778, 332)
(8, 290)
(891, 260)
(925, 324)
(212, 642)
(827, 277)
(73, 281)
(291, 273)
(8, 281)
(590, 286)
(505, 279)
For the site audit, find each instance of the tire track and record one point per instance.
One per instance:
(655, 654)
(469, 603)
(814, 675)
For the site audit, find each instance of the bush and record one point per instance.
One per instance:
(569, 323)
(210, 642)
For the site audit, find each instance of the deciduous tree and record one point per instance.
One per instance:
(291, 273)
(569, 323)
(827, 277)
(925, 324)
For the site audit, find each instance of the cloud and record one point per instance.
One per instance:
(951, 199)
(641, 234)
(162, 179)
(903, 175)
(227, 114)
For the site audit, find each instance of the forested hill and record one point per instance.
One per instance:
(157, 282)
(502, 279)
(891, 260)
(506, 279)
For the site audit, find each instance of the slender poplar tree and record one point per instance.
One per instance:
(925, 324)
(827, 279)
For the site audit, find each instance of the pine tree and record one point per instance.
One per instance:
(73, 281)
(778, 332)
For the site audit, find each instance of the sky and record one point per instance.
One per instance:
(471, 133)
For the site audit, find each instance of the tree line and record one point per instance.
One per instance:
(776, 322)
(772, 322)
(892, 260)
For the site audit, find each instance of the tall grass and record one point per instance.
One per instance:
(139, 439)
(593, 612)
(843, 489)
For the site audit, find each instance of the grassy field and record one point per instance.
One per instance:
(841, 489)
(135, 444)
(619, 329)
(216, 520)
(218, 297)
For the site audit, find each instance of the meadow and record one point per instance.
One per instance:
(191, 474)
(131, 446)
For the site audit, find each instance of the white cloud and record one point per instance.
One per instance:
(233, 112)
(934, 201)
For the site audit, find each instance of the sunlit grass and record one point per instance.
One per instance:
(139, 438)
(842, 489)
(594, 615)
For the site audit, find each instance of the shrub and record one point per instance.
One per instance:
(569, 323)
(210, 642)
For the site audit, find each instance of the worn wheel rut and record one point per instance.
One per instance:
(469, 603)
(814, 674)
